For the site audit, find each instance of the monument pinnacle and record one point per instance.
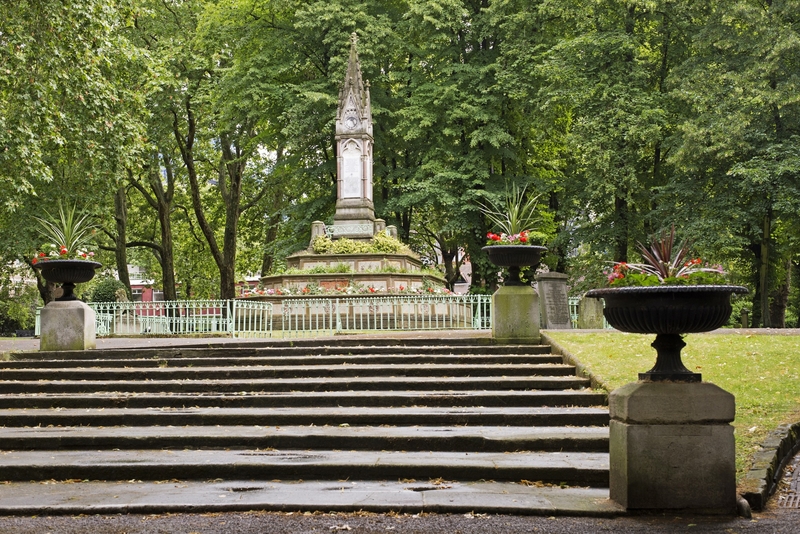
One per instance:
(355, 212)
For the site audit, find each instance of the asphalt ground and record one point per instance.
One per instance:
(773, 521)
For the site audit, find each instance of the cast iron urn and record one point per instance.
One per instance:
(514, 257)
(669, 312)
(67, 273)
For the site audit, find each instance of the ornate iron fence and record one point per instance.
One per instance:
(320, 316)
(294, 317)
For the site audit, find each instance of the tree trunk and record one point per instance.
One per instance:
(620, 229)
(763, 275)
(167, 255)
(120, 249)
(230, 186)
(164, 201)
(267, 259)
(779, 299)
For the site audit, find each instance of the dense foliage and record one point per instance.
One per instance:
(200, 133)
(107, 289)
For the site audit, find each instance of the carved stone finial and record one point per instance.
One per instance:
(354, 37)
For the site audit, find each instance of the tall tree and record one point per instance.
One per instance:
(738, 147)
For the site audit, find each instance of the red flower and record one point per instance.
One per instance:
(34, 261)
(63, 251)
(523, 239)
(42, 254)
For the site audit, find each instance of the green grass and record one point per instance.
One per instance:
(762, 371)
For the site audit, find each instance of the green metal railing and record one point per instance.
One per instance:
(320, 316)
(294, 317)
(573, 310)
(239, 318)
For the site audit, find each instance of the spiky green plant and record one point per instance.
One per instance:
(665, 264)
(70, 229)
(515, 213)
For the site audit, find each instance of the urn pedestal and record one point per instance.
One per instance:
(515, 305)
(671, 445)
(67, 323)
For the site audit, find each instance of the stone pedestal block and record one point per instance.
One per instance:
(671, 447)
(590, 313)
(68, 325)
(515, 317)
(554, 303)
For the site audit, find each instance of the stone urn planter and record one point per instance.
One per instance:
(669, 312)
(67, 273)
(514, 257)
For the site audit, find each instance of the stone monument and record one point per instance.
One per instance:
(355, 211)
(554, 301)
(590, 313)
(354, 218)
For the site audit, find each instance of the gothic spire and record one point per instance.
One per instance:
(354, 99)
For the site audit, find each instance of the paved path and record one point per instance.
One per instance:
(296, 523)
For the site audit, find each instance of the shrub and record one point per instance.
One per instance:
(382, 243)
(322, 244)
(106, 289)
(18, 304)
(348, 246)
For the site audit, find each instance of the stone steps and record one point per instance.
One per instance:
(251, 372)
(357, 383)
(546, 416)
(339, 359)
(382, 438)
(303, 348)
(572, 468)
(376, 410)
(262, 399)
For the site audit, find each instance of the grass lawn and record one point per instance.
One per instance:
(762, 371)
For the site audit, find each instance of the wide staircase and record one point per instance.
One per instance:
(349, 424)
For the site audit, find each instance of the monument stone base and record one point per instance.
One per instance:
(672, 447)
(590, 313)
(68, 325)
(516, 315)
(554, 300)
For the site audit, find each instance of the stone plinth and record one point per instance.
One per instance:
(384, 272)
(68, 325)
(671, 447)
(355, 262)
(590, 313)
(554, 301)
(515, 315)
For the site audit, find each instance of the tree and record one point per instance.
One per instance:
(738, 144)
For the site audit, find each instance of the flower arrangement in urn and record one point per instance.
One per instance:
(669, 295)
(68, 260)
(514, 218)
(69, 236)
(665, 265)
(517, 244)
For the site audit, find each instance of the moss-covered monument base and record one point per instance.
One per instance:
(515, 311)
(67, 325)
